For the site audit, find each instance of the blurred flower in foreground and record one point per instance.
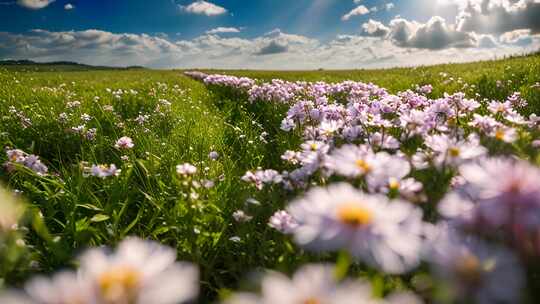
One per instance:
(386, 235)
(186, 169)
(311, 284)
(10, 210)
(500, 195)
(139, 272)
(316, 284)
(474, 270)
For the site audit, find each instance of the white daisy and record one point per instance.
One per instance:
(139, 272)
(311, 284)
(352, 161)
(384, 234)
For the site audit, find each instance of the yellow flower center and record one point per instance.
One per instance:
(353, 215)
(393, 183)
(313, 147)
(119, 284)
(499, 134)
(469, 269)
(311, 301)
(454, 152)
(363, 165)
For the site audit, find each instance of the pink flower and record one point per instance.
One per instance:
(124, 143)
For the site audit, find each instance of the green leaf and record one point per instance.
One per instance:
(99, 218)
(90, 207)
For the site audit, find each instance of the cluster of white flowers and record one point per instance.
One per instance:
(361, 135)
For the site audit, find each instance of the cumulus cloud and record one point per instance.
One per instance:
(479, 24)
(359, 10)
(202, 7)
(435, 34)
(34, 4)
(276, 42)
(486, 41)
(220, 30)
(500, 16)
(389, 6)
(273, 47)
(281, 50)
(518, 37)
(375, 29)
(69, 6)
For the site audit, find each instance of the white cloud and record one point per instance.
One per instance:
(359, 10)
(436, 34)
(519, 38)
(202, 7)
(34, 4)
(69, 6)
(389, 6)
(500, 16)
(281, 50)
(219, 30)
(375, 28)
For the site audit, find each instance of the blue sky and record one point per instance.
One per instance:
(308, 17)
(267, 33)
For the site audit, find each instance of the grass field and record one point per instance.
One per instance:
(72, 120)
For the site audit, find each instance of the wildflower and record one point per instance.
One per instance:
(496, 107)
(85, 117)
(78, 129)
(138, 272)
(10, 210)
(283, 222)
(352, 161)
(124, 143)
(213, 155)
(90, 134)
(108, 108)
(450, 151)
(290, 156)
(63, 117)
(241, 217)
(474, 270)
(30, 161)
(390, 176)
(186, 169)
(64, 287)
(313, 283)
(73, 104)
(103, 171)
(507, 192)
(505, 134)
(261, 177)
(141, 119)
(384, 234)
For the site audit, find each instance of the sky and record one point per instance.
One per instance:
(267, 34)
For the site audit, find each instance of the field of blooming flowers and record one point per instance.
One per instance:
(399, 186)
